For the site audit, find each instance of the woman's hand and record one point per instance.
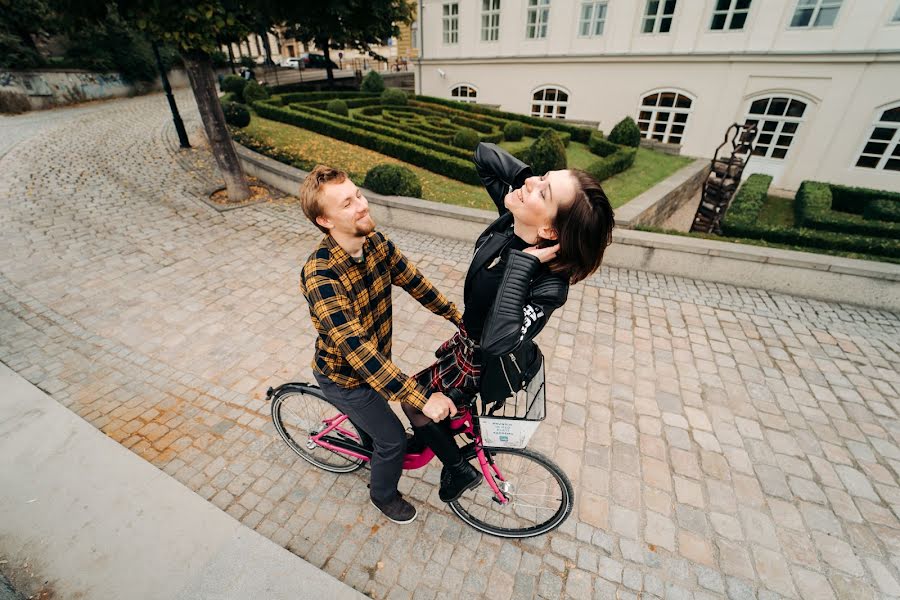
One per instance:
(544, 255)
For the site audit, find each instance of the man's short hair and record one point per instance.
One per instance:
(311, 190)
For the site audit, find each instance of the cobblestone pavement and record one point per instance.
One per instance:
(723, 442)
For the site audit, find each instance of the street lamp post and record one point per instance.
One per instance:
(179, 125)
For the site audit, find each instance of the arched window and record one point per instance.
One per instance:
(777, 119)
(464, 93)
(549, 102)
(882, 149)
(663, 116)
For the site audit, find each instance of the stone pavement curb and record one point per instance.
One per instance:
(97, 521)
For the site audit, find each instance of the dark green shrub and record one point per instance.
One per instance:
(513, 131)
(746, 204)
(247, 62)
(615, 163)
(742, 220)
(882, 209)
(393, 180)
(394, 97)
(236, 114)
(466, 138)
(547, 153)
(626, 133)
(372, 83)
(234, 85)
(814, 207)
(600, 146)
(253, 92)
(338, 107)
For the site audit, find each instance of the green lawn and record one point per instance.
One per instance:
(308, 149)
(777, 212)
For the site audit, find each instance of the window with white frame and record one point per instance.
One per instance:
(730, 15)
(451, 23)
(777, 119)
(414, 34)
(882, 149)
(538, 15)
(490, 20)
(549, 102)
(658, 16)
(815, 13)
(593, 17)
(896, 17)
(464, 93)
(663, 116)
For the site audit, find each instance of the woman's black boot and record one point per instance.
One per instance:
(458, 475)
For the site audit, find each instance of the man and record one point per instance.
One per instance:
(347, 283)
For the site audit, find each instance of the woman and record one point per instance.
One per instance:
(552, 232)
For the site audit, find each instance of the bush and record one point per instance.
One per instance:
(338, 107)
(513, 131)
(235, 85)
(814, 208)
(882, 209)
(406, 147)
(393, 180)
(742, 220)
(236, 114)
(247, 62)
(615, 163)
(547, 153)
(626, 133)
(372, 83)
(466, 138)
(14, 102)
(254, 92)
(602, 147)
(394, 97)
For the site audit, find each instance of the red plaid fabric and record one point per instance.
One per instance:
(458, 366)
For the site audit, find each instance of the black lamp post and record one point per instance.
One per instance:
(179, 125)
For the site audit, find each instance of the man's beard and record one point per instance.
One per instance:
(365, 226)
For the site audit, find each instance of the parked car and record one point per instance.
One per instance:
(310, 60)
(292, 63)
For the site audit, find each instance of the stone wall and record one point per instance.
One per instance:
(45, 89)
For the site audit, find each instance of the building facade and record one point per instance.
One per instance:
(820, 78)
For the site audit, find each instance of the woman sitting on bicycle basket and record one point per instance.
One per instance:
(552, 232)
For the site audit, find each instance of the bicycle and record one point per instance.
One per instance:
(507, 506)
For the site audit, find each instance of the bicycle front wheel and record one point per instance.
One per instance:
(299, 414)
(539, 493)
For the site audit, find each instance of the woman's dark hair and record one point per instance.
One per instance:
(584, 230)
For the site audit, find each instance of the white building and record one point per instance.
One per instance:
(821, 77)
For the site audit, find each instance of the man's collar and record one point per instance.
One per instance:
(341, 256)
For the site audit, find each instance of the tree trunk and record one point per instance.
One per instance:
(267, 46)
(328, 70)
(231, 59)
(200, 73)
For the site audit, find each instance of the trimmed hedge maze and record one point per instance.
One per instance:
(431, 133)
(822, 218)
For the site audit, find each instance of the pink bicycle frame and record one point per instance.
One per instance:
(461, 423)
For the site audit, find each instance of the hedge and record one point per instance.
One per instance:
(813, 208)
(393, 180)
(615, 163)
(742, 220)
(882, 209)
(348, 130)
(579, 134)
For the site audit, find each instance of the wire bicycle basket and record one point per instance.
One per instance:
(510, 424)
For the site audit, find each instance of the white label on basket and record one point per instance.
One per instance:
(507, 433)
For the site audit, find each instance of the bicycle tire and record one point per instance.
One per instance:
(317, 407)
(463, 507)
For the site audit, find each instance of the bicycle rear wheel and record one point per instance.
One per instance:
(539, 492)
(299, 413)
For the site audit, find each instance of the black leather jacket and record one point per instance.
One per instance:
(528, 293)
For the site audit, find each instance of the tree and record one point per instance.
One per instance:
(20, 22)
(196, 30)
(340, 24)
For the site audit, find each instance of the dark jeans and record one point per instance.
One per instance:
(370, 412)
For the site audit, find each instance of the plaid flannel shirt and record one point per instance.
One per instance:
(350, 306)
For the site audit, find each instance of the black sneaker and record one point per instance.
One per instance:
(397, 510)
(456, 480)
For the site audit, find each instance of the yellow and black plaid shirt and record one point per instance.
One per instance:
(350, 306)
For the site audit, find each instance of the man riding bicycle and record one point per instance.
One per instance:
(347, 282)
